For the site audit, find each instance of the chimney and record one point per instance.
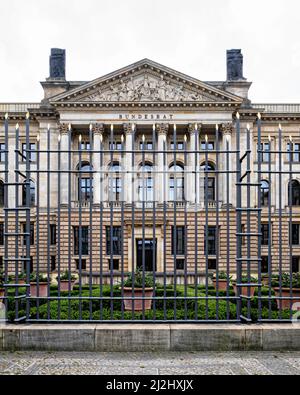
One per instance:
(235, 65)
(56, 83)
(57, 64)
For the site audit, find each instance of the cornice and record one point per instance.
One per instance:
(146, 105)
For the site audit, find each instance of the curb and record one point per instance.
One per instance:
(143, 338)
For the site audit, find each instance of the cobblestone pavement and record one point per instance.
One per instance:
(183, 363)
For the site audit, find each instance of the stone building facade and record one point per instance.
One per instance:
(136, 156)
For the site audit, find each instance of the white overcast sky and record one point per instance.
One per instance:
(190, 36)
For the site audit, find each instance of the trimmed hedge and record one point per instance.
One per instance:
(185, 309)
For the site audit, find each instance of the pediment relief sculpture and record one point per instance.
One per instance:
(146, 88)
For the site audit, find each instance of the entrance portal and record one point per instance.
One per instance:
(146, 249)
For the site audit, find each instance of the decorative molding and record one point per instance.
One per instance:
(146, 88)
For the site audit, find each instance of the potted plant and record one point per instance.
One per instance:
(265, 278)
(38, 282)
(64, 279)
(138, 286)
(221, 282)
(245, 289)
(21, 278)
(285, 290)
(2, 289)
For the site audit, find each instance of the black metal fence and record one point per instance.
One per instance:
(123, 224)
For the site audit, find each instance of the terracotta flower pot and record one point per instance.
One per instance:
(286, 293)
(43, 290)
(138, 303)
(20, 282)
(244, 290)
(64, 285)
(222, 284)
(2, 293)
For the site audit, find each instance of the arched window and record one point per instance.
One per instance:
(115, 183)
(208, 183)
(32, 194)
(1, 193)
(146, 183)
(176, 185)
(294, 193)
(85, 183)
(265, 193)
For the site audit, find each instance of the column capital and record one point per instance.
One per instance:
(127, 128)
(63, 128)
(98, 128)
(162, 128)
(194, 128)
(227, 128)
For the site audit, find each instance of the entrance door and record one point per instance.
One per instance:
(149, 248)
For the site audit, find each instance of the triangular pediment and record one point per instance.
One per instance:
(146, 81)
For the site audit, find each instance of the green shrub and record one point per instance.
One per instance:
(139, 280)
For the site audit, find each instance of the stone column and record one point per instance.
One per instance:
(227, 142)
(193, 164)
(64, 131)
(128, 184)
(53, 178)
(162, 178)
(98, 176)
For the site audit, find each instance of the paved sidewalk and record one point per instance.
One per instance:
(245, 363)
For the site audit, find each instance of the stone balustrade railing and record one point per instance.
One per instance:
(18, 107)
(278, 108)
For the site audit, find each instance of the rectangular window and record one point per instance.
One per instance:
(83, 264)
(265, 264)
(210, 146)
(53, 234)
(84, 146)
(32, 153)
(265, 155)
(24, 265)
(84, 240)
(295, 264)
(210, 189)
(115, 146)
(115, 189)
(180, 264)
(212, 264)
(115, 264)
(211, 241)
(147, 146)
(86, 189)
(295, 234)
(176, 189)
(116, 247)
(179, 145)
(1, 234)
(265, 230)
(53, 263)
(2, 152)
(31, 234)
(293, 150)
(178, 240)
